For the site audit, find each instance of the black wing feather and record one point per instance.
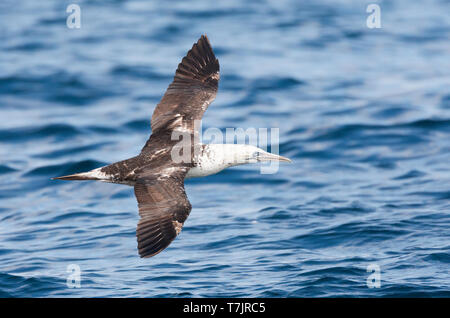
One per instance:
(193, 88)
(163, 207)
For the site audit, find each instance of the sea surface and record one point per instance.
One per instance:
(364, 113)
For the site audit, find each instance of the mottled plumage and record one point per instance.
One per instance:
(158, 180)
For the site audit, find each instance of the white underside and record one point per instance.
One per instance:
(217, 157)
(199, 171)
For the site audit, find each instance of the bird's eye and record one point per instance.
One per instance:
(255, 154)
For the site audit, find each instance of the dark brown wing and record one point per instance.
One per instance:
(159, 183)
(163, 207)
(193, 88)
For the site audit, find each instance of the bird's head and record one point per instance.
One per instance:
(243, 154)
(254, 154)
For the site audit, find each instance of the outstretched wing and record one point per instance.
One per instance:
(193, 88)
(159, 189)
(163, 207)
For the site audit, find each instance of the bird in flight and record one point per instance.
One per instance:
(158, 172)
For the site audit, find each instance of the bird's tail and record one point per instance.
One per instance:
(95, 174)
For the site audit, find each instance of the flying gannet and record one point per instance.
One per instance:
(157, 178)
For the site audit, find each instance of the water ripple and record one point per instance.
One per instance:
(363, 113)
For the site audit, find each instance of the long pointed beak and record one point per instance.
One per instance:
(273, 157)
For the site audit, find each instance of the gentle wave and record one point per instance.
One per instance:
(363, 113)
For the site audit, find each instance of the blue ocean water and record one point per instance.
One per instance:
(364, 114)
